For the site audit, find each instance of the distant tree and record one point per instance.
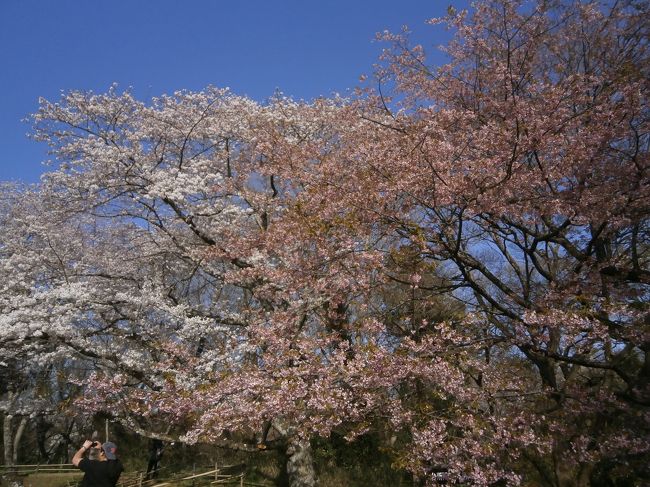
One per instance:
(35, 381)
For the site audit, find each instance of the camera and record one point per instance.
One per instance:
(95, 444)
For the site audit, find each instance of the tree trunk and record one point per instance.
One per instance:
(10, 441)
(42, 428)
(7, 439)
(300, 463)
(17, 437)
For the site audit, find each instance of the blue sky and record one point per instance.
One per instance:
(303, 48)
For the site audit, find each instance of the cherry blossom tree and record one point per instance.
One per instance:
(156, 228)
(187, 267)
(521, 168)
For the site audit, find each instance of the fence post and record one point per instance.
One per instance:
(140, 480)
(241, 481)
(216, 470)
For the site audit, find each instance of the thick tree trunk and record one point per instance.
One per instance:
(300, 463)
(572, 476)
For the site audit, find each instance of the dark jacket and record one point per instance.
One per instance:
(100, 474)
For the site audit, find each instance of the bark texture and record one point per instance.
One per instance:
(300, 464)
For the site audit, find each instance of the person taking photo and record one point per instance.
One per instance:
(102, 472)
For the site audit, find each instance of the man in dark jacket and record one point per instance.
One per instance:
(155, 454)
(103, 472)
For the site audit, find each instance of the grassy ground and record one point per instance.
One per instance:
(52, 479)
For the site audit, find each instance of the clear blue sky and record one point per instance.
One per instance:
(305, 48)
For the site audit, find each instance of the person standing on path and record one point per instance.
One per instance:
(103, 472)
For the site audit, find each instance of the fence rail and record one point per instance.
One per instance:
(137, 479)
(25, 469)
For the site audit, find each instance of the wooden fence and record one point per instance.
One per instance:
(215, 476)
(38, 468)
